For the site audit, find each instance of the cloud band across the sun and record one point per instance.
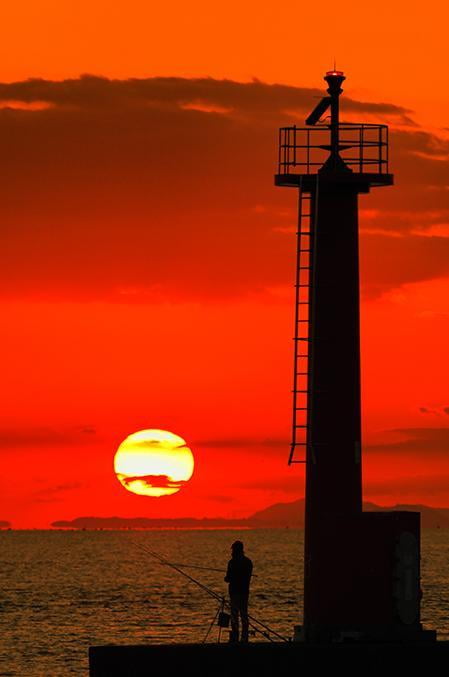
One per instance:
(152, 481)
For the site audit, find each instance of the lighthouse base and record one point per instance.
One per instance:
(378, 634)
(362, 578)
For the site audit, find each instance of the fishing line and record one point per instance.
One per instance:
(197, 566)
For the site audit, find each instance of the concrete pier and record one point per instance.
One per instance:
(264, 658)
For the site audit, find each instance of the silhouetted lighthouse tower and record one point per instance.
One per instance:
(361, 572)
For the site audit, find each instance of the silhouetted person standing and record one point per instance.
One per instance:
(238, 575)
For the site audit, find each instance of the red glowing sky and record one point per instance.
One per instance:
(147, 259)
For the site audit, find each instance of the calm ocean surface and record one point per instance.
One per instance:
(62, 591)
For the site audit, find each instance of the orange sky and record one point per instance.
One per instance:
(394, 51)
(147, 259)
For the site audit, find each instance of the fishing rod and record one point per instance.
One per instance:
(197, 566)
(211, 593)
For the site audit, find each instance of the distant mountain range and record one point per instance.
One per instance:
(279, 515)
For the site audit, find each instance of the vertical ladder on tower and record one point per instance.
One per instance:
(301, 367)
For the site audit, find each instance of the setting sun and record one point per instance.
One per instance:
(153, 463)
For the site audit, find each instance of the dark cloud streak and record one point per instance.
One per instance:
(93, 92)
(120, 191)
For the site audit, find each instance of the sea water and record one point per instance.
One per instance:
(63, 591)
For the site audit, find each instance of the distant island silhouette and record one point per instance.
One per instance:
(279, 515)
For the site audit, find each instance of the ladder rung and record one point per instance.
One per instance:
(295, 462)
(300, 426)
(302, 373)
(300, 408)
(303, 303)
(301, 338)
(303, 321)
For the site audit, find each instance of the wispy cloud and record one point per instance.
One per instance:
(423, 441)
(242, 443)
(11, 438)
(55, 493)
